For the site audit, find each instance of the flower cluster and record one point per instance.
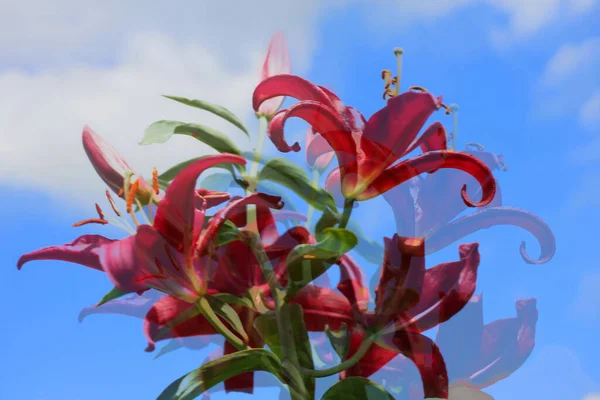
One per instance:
(200, 261)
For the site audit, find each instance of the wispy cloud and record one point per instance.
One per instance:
(42, 112)
(587, 303)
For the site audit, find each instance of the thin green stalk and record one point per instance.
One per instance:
(348, 206)
(216, 323)
(253, 173)
(316, 175)
(349, 363)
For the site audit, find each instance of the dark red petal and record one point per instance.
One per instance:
(433, 139)
(506, 345)
(211, 198)
(433, 161)
(323, 306)
(401, 277)
(165, 311)
(395, 126)
(459, 339)
(446, 290)
(324, 120)
(175, 213)
(85, 250)
(280, 249)
(290, 86)
(233, 211)
(352, 285)
(237, 269)
(418, 348)
(489, 217)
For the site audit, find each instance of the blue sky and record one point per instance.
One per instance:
(525, 80)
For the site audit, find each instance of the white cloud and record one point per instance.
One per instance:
(590, 111)
(570, 59)
(592, 396)
(587, 303)
(45, 101)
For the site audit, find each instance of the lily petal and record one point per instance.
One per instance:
(433, 161)
(323, 306)
(447, 288)
(175, 213)
(87, 250)
(394, 127)
(352, 285)
(277, 61)
(498, 216)
(107, 162)
(319, 153)
(132, 306)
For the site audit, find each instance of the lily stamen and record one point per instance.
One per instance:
(176, 264)
(112, 203)
(155, 185)
(151, 276)
(448, 110)
(131, 195)
(100, 221)
(417, 88)
(99, 211)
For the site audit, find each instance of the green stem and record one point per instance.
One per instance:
(348, 206)
(284, 325)
(262, 132)
(349, 363)
(216, 323)
(316, 175)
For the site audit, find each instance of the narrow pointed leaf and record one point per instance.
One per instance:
(340, 340)
(193, 384)
(173, 345)
(161, 131)
(115, 293)
(227, 312)
(266, 325)
(217, 181)
(212, 108)
(288, 174)
(233, 299)
(307, 262)
(172, 172)
(357, 388)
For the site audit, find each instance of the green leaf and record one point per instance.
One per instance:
(228, 298)
(212, 108)
(357, 388)
(114, 293)
(290, 175)
(306, 262)
(266, 325)
(340, 340)
(227, 233)
(161, 131)
(193, 384)
(172, 172)
(217, 181)
(227, 312)
(328, 220)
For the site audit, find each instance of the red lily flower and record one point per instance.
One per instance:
(277, 61)
(476, 355)
(418, 211)
(366, 156)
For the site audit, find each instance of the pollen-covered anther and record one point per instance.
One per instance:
(99, 211)
(417, 88)
(445, 107)
(132, 193)
(100, 221)
(112, 203)
(155, 185)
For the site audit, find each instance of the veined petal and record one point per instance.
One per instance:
(318, 151)
(433, 161)
(394, 127)
(323, 306)
(433, 139)
(107, 162)
(401, 279)
(277, 61)
(87, 250)
(446, 290)
(132, 306)
(460, 339)
(489, 217)
(163, 312)
(352, 285)
(506, 345)
(323, 119)
(175, 213)
(288, 85)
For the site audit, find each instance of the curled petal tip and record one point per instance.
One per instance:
(150, 348)
(296, 147)
(529, 260)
